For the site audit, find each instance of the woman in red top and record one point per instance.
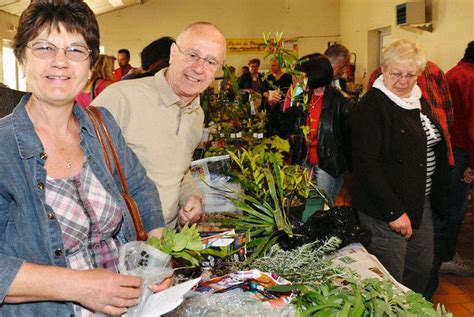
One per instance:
(101, 77)
(328, 118)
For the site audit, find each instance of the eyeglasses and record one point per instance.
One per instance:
(398, 76)
(46, 50)
(192, 56)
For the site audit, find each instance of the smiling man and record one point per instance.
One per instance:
(162, 120)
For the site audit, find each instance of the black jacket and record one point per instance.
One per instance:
(333, 136)
(389, 160)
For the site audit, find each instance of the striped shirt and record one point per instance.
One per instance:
(433, 137)
(89, 219)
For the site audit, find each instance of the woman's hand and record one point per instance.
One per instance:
(402, 225)
(273, 97)
(155, 288)
(105, 291)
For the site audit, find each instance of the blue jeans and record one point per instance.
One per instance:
(446, 227)
(326, 182)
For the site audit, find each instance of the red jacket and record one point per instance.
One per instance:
(461, 86)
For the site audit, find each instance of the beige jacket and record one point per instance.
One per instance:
(162, 131)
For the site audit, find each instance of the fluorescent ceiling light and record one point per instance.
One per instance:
(116, 3)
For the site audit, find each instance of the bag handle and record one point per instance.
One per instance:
(109, 148)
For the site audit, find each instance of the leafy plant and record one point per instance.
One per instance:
(368, 297)
(185, 244)
(306, 264)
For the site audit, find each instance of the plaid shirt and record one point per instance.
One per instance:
(89, 219)
(434, 88)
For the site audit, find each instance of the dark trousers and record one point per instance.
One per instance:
(447, 226)
(409, 261)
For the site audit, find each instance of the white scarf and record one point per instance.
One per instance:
(409, 103)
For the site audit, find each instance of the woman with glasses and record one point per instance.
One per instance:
(62, 216)
(400, 166)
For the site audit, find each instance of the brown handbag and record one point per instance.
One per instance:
(109, 149)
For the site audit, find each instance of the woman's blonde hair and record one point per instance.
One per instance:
(404, 52)
(103, 68)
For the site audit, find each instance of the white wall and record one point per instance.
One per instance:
(135, 27)
(453, 22)
(7, 22)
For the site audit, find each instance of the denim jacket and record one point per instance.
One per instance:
(29, 231)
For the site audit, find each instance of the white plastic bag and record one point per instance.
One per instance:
(137, 258)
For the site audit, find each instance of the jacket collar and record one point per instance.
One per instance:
(28, 142)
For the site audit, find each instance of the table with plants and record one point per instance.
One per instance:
(283, 250)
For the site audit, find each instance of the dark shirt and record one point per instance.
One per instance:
(9, 98)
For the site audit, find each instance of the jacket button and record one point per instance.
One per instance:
(58, 252)
(51, 215)
(43, 156)
(40, 186)
(399, 161)
(422, 164)
(402, 131)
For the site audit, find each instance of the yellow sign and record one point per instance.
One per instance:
(244, 46)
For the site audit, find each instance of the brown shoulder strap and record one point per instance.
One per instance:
(111, 147)
(101, 131)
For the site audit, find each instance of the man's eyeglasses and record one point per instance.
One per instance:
(46, 50)
(192, 56)
(398, 76)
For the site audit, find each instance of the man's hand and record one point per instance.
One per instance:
(191, 211)
(105, 291)
(402, 225)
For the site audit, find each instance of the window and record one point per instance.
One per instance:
(12, 73)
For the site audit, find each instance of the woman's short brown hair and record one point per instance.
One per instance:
(73, 15)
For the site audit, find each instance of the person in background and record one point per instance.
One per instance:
(276, 84)
(123, 59)
(9, 98)
(251, 82)
(101, 77)
(244, 70)
(275, 87)
(328, 118)
(461, 85)
(162, 120)
(400, 166)
(62, 215)
(155, 56)
(339, 56)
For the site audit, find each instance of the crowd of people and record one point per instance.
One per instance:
(408, 144)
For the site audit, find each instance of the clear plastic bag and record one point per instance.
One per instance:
(137, 258)
(234, 303)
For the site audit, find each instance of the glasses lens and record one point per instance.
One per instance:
(43, 50)
(77, 53)
(211, 64)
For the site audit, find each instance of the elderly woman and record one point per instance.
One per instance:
(62, 216)
(400, 166)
